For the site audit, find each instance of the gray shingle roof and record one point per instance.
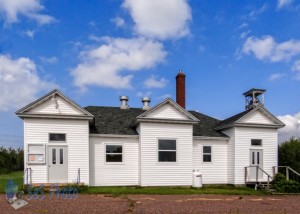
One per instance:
(206, 126)
(113, 120)
(229, 121)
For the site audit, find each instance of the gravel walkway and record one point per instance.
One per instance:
(159, 204)
(216, 204)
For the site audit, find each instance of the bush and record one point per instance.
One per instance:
(282, 185)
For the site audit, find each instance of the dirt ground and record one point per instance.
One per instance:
(159, 204)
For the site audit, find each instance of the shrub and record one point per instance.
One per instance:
(285, 186)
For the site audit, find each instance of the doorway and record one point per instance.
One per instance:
(57, 164)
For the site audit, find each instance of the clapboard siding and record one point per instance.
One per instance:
(257, 117)
(230, 154)
(167, 112)
(114, 174)
(216, 171)
(154, 173)
(49, 107)
(269, 146)
(77, 132)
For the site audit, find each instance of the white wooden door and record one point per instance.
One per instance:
(256, 159)
(58, 164)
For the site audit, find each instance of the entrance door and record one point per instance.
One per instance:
(256, 159)
(57, 164)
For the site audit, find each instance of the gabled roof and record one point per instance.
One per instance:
(24, 111)
(169, 101)
(113, 120)
(238, 119)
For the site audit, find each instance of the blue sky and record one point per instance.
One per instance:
(95, 51)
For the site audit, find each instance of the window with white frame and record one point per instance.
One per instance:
(114, 153)
(256, 142)
(166, 150)
(57, 137)
(207, 154)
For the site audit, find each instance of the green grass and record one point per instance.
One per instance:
(211, 189)
(17, 177)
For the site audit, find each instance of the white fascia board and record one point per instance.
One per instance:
(113, 136)
(211, 138)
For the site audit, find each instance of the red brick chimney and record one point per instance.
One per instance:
(180, 89)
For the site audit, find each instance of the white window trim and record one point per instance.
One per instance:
(256, 146)
(114, 163)
(157, 152)
(57, 141)
(211, 154)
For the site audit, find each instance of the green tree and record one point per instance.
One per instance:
(289, 154)
(11, 159)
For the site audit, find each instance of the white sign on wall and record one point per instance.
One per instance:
(36, 153)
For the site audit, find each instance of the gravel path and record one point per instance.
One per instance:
(159, 204)
(216, 204)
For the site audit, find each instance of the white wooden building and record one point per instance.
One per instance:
(158, 146)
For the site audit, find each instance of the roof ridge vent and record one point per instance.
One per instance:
(124, 102)
(146, 103)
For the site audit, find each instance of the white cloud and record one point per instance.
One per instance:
(153, 82)
(284, 3)
(12, 9)
(160, 19)
(243, 25)
(118, 21)
(296, 68)
(254, 13)
(105, 65)
(143, 94)
(19, 82)
(30, 33)
(267, 48)
(49, 60)
(245, 34)
(276, 76)
(292, 127)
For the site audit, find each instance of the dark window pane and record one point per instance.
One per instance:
(167, 144)
(53, 156)
(206, 158)
(206, 149)
(167, 156)
(253, 158)
(113, 149)
(257, 157)
(113, 158)
(57, 137)
(256, 142)
(61, 156)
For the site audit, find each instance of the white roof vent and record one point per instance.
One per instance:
(124, 102)
(146, 103)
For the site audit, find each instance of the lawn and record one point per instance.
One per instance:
(211, 189)
(17, 177)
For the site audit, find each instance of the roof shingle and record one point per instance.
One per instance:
(113, 120)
